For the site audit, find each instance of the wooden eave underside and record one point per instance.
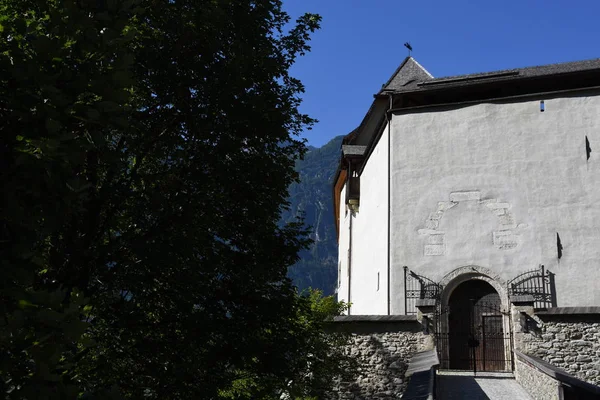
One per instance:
(337, 194)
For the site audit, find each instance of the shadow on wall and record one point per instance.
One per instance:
(553, 302)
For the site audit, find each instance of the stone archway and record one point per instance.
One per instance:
(473, 330)
(469, 272)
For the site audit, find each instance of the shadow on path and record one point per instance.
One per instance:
(456, 385)
(451, 387)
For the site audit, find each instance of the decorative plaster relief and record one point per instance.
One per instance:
(435, 250)
(445, 205)
(465, 196)
(493, 205)
(437, 238)
(507, 221)
(504, 238)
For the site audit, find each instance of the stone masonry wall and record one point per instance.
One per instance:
(539, 385)
(383, 360)
(573, 346)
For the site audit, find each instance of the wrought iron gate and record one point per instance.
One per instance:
(472, 336)
(418, 287)
(537, 283)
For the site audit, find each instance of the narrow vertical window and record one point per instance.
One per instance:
(378, 281)
(542, 106)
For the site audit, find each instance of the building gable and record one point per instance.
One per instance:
(408, 74)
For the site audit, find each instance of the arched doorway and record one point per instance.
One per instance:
(471, 329)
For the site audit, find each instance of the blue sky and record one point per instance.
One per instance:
(360, 45)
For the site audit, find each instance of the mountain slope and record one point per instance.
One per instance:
(312, 197)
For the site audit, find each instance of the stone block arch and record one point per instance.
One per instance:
(505, 237)
(462, 274)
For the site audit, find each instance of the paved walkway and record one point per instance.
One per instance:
(455, 385)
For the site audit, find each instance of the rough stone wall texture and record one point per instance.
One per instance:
(383, 360)
(539, 385)
(572, 346)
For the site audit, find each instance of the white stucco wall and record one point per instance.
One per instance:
(343, 244)
(532, 168)
(369, 237)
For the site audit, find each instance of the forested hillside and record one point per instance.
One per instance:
(313, 198)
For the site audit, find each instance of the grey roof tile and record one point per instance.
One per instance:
(408, 74)
(502, 75)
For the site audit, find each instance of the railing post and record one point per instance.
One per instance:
(405, 292)
(543, 287)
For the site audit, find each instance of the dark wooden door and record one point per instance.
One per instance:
(490, 355)
(474, 338)
(494, 344)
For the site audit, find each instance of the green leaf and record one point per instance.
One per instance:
(18, 319)
(75, 329)
(93, 114)
(26, 304)
(109, 106)
(43, 44)
(52, 126)
(88, 342)
(47, 315)
(122, 78)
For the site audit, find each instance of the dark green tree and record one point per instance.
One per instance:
(146, 151)
(65, 71)
(325, 359)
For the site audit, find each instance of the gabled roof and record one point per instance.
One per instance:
(495, 76)
(415, 87)
(408, 73)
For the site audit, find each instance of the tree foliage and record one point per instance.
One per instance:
(146, 149)
(324, 360)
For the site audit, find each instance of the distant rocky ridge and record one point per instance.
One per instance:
(312, 197)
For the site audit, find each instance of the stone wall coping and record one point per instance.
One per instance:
(557, 373)
(375, 318)
(421, 370)
(570, 311)
(425, 303)
(422, 361)
(522, 299)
